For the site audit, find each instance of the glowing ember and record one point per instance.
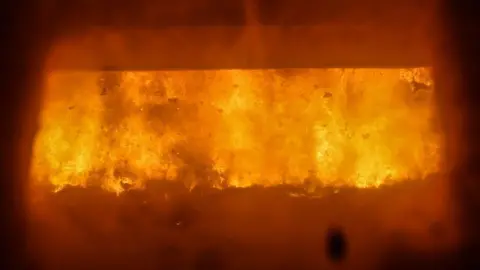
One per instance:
(360, 127)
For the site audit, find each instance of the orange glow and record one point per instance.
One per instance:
(335, 127)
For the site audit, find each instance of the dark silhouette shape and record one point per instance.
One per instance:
(336, 244)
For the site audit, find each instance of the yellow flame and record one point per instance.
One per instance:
(357, 127)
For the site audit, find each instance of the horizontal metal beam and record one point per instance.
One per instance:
(314, 46)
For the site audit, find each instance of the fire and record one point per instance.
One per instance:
(334, 127)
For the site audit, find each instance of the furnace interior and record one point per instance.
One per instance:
(170, 168)
(237, 128)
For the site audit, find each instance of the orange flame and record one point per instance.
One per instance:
(356, 127)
